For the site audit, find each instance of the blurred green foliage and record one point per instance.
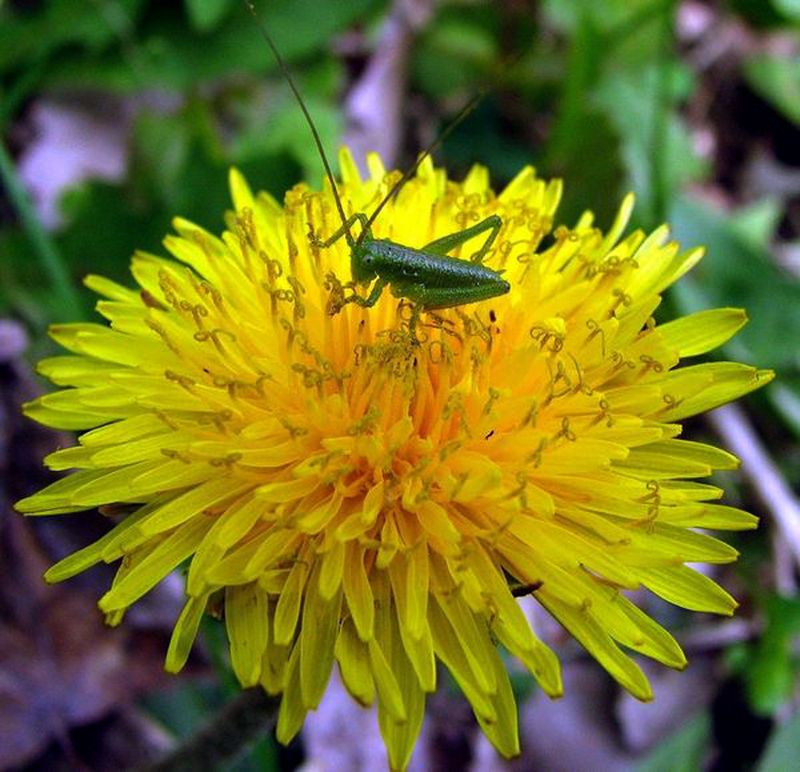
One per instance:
(685, 751)
(597, 93)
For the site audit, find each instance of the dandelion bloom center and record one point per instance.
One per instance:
(360, 492)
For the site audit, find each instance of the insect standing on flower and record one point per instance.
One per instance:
(428, 276)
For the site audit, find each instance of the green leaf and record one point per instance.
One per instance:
(271, 122)
(738, 271)
(760, 14)
(777, 80)
(166, 52)
(105, 224)
(684, 751)
(659, 162)
(29, 37)
(770, 675)
(790, 9)
(206, 14)
(568, 14)
(582, 67)
(454, 54)
(161, 149)
(756, 223)
(25, 289)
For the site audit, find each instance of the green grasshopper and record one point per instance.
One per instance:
(428, 277)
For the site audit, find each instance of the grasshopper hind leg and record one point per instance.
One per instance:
(445, 244)
(434, 298)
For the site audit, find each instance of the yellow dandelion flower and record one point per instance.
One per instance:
(360, 494)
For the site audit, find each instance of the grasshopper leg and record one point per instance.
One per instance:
(434, 298)
(338, 301)
(372, 298)
(445, 244)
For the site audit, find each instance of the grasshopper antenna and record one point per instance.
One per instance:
(412, 170)
(317, 140)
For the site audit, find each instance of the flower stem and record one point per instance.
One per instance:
(250, 714)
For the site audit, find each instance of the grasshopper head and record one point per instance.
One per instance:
(362, 264)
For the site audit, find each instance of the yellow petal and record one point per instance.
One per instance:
(318, 632)
(247, 624)
(703, 331)
(689, 589)
(184, 634)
